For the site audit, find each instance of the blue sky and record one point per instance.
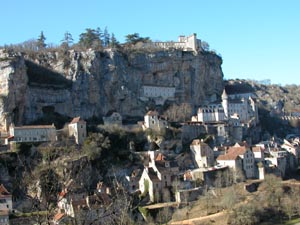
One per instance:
(258, 39)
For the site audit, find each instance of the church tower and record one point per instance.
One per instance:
(225, 103)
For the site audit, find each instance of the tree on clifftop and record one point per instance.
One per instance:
(67, 40)
(91, 39)
(41, 41)
(113, 41)
(135, 38)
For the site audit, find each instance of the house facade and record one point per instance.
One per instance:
(245, 108)
(157, 175)
(5, 199)
(247, 156)
(4, 217)
(210, 113)
(202, 154)
(113, 118)
(247, 159)
(152, 120)
(77, 129)
(233, 161)
(35, 133)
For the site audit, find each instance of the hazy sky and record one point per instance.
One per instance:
(258, 39)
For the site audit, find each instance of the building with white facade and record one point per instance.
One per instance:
(4, 217)
(210, 113)
(231, 106)
(202, 154)
(157, 175)
(152, 120)
(246, 155)
(158, 93)
(77, 129)
(34, 133)
(184, 43)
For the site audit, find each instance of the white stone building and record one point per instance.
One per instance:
(246, 155)
(157, 175)
(259, 153)
(233, 161)
(34, 133)
(77, 129)
(202, 154)
(113, 118)
(158, 93)
(185, 43)
(152, 120)
(244, 108)
(210, 113)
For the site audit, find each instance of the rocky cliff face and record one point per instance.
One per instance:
(91, 83)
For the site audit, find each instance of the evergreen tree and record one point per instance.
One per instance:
(135, 38)
(41, 41)
(106, 37)
(91, 39)
(113, 41)
(67, 40)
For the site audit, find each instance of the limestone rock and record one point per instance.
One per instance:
(91, 83)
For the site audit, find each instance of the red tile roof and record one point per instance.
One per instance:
(228, 156)
(160, 157)
(3, 191)
(62, 194)
(237, 150)
(152, 113)
(58, 216)
(75, 120)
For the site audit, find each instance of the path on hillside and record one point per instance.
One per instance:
(198, 219)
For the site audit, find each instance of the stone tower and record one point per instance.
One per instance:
(225, 103)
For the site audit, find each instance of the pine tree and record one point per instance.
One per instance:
(67, 40)
(113, 41)
(41, 41)
(91, 39)
(106, 37)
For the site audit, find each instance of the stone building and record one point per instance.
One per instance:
(244, 108)
(34, 133)
(77, 129)
(152, 120)
(185, 43)
(202, 154)
(112, 118)
(5, 199)
(157, 175)
(247, 159)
